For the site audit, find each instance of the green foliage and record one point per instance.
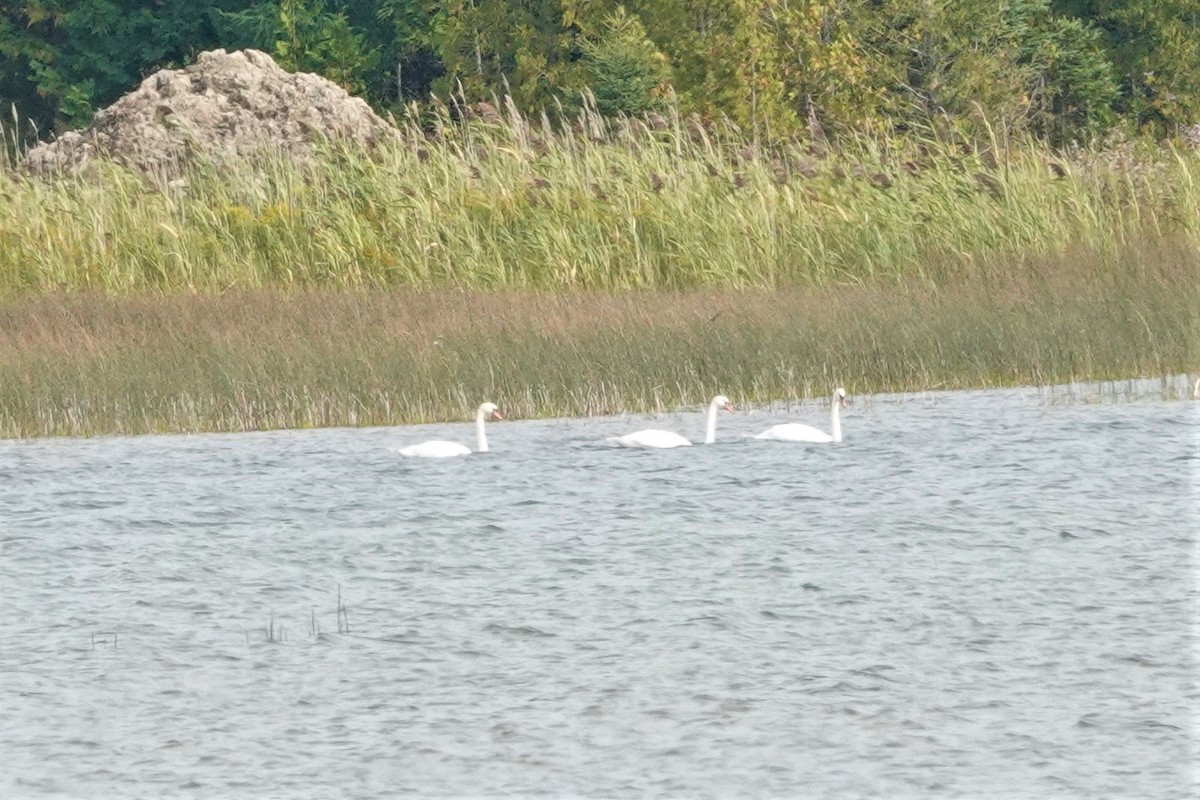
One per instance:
(1071, 81)
(61, 61)
(401, 32)
(960, 60)
(697, 38)
(305, 35)
(491, 47)
(1015, 66)
(626, 72)
(1063, 70)
(1154, 46)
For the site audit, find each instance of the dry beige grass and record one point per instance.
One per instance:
(91, 363)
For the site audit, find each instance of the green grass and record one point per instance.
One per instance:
(586, 269)
(527, 205)
(92, 363)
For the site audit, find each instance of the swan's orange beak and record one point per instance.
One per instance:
(843, 402)
(729, 407)
(497, 415)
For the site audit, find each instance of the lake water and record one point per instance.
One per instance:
(977, 594)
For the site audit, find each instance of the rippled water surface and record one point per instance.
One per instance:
(989, 594)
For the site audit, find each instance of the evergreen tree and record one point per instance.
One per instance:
(496, 47)
(304, 35)
(1015, 65)
(626, 71)
(1154, 46)
(401, 32)
(1071, 80)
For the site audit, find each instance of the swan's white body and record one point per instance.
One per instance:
(652, 438)
(436, 449)
(795, 432)
(666, 439)
(442, 449)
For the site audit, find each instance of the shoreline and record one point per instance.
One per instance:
(87, 364)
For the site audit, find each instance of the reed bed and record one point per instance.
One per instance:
(86, 363)
(474, 260)
(522, 203)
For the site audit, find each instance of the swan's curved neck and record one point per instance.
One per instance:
(710, 429)
(835, 420)
(480, 433)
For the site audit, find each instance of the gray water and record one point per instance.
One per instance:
(986, 594)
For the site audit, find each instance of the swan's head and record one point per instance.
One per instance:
(490, 410)
(840, 394)
(721, 401)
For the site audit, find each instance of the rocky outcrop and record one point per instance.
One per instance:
(1191, 135)
(226, 106)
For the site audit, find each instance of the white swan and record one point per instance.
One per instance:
(440, 449)
(795, 432)
(665, 439)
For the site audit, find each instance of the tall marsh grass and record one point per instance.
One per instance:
(494, 260)
(527, 204)
(76, 363)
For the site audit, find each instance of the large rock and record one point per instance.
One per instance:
(1191, 135)
(225, 106)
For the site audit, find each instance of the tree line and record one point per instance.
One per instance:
(1061, 70)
